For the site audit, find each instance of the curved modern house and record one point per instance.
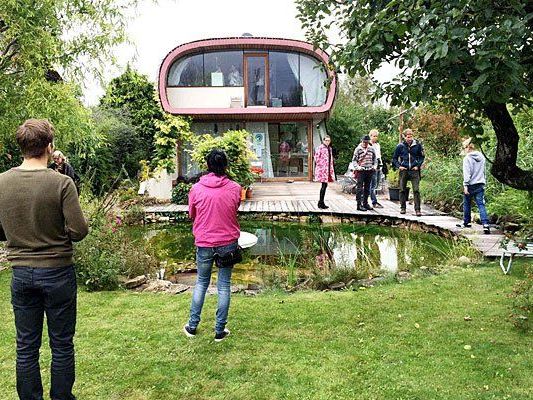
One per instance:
(280, 90)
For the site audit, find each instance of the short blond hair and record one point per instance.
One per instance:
(59, 153)
(408, 130)
(467, 143)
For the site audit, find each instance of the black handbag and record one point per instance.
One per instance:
(229, 259)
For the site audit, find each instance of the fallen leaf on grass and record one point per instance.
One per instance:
(467, 347)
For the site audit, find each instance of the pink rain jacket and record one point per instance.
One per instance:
(213, 204)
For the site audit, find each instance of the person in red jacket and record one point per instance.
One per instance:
(213, 205)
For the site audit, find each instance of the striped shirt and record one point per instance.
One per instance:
(365, 158)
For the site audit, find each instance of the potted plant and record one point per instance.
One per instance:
(256, 173)
(393, 179)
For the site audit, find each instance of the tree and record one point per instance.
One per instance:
(120, 149)
(437, 129)
(358, 89)
(46, 47)
(135, 95)
(475, 56)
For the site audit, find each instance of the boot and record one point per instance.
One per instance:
(360, 207)
(322, 206)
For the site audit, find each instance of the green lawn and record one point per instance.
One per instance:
(397, 341)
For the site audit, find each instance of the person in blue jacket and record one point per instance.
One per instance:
(408, 158)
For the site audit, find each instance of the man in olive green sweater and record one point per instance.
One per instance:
(40, 217)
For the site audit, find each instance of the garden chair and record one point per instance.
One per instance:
(512, 249)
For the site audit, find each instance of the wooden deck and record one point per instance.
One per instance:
(301, 198)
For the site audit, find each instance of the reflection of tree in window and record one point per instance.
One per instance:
(234, 76)
(285, 89)
(192, 76)
(223, 68)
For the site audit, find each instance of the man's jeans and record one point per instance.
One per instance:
(477, 192)
(204, 263)
(35, 292)
(414, 177)
(376, 178)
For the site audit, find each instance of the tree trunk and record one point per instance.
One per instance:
(504, 167)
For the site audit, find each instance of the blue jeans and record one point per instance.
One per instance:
(477, 192)
(35, 292)
(204, 263)
(376, 177)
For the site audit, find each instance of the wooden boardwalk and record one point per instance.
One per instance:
(301, 198)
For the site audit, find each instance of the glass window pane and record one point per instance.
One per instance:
(313, 80)
(285, 88)
(223, 68)
(256, 81)
(289, 149)
(188, 71)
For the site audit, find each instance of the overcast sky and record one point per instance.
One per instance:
(158, 28)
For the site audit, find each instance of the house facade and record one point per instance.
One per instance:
(280, 90)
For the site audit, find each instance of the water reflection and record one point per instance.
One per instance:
(368, 250)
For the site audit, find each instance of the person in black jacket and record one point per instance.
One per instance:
(408, 158)
(61, 165)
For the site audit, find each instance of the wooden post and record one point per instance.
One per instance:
(400, 125)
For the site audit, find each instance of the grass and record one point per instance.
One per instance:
(398, 341)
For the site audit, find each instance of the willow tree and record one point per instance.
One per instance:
(476, 56)
(47, 47)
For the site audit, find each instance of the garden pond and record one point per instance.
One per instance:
(289, 253)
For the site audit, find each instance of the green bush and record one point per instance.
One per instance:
(107, 252)
(442, 182)
(132, 215)
(512, 205)
(180, 193)
(236, 146)
(98, 263)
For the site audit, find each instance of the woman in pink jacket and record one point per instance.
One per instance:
(213, 205)
(324, 171)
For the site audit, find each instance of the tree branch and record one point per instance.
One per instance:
(504, 167)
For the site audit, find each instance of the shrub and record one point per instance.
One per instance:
(180, 193)
(438, 130)
(512, 205)
(236, 146)
(98, 263)
(107, 252)
(133, 214)
(442, 182)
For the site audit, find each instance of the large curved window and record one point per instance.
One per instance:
(188, 71)
(294, 79)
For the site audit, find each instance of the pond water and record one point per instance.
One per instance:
(290, 252)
